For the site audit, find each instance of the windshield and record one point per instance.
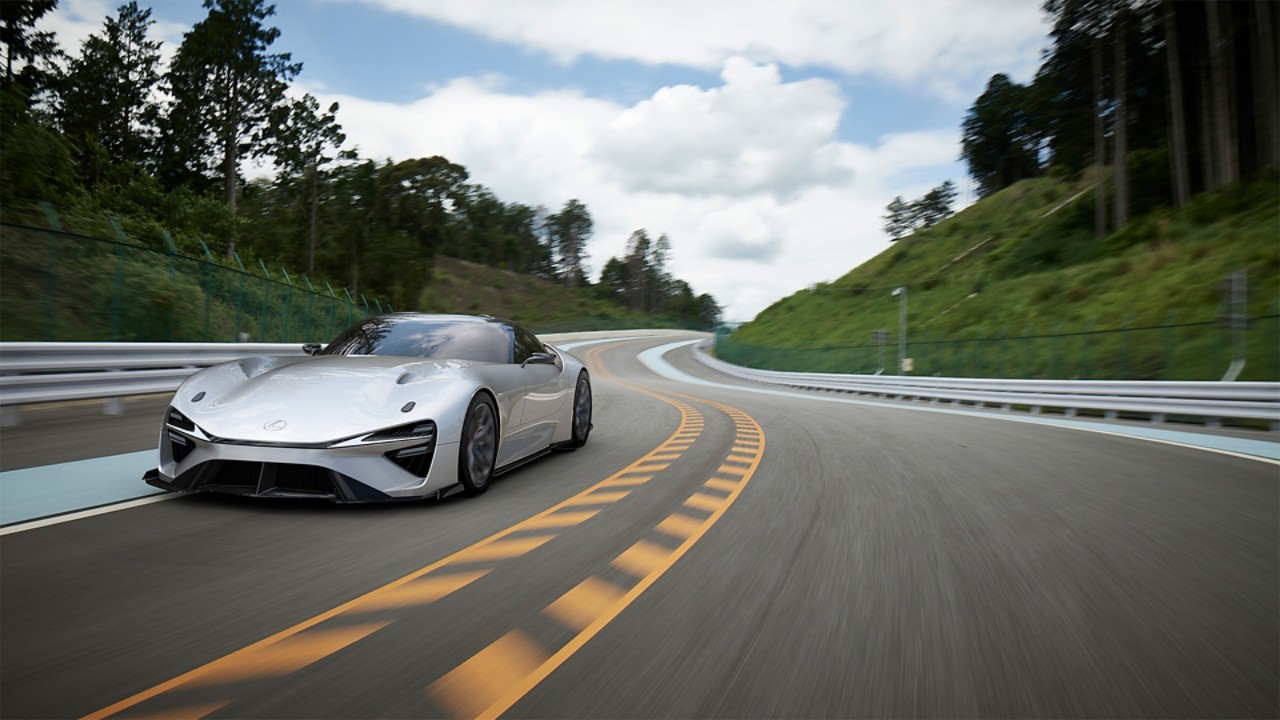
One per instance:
(425, 337)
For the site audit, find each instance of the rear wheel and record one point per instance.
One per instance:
(478, 450)
(581, 412)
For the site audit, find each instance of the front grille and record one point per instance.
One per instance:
(259, 478)
(304, 479)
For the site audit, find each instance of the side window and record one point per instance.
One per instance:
(526, 344)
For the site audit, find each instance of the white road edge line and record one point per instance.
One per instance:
(653, 359)
(82, 514)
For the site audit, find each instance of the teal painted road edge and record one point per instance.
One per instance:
(1262, 449)
(39, 492)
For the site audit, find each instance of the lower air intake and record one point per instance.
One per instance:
(415, 460)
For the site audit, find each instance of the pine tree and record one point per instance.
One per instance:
(226, 86)
(569, 231)
(306, 142)
(107, 95)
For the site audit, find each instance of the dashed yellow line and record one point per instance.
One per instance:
(559, 520)
(718, 484)
(464, 690)
(422, 591)
(646, 560)
(501, 549)
(681, 526)
(579, 607)
(642, 558)
(281, 658)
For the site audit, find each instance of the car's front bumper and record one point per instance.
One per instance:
(344, 474)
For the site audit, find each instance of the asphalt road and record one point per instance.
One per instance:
(709, 553)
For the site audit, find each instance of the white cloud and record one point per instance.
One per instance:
(754, 134)
(73, 21)
(941, 44)
(747, 232)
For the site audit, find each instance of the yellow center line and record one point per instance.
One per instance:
(644, 559)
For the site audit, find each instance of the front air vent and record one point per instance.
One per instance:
(415, 460)
(180, 421)
(180, 446)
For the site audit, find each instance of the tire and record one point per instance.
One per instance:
(478, 451)
(581, 417)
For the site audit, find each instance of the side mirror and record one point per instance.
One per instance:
(311, 348)
(542, 358)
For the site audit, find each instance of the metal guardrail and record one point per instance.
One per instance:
(1158, 400)
(43, 372)
(33, 373)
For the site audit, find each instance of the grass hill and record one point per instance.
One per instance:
(1024, 263)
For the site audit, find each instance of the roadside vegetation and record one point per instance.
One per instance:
(129, 150)
(1066, 242)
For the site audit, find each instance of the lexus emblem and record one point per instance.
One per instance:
(275, 425)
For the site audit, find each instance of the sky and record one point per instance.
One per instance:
(763, 138)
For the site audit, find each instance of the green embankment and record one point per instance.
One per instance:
(1018, 286)
(71, 286)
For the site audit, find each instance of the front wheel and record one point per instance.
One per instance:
(581, 412)
(478, 450)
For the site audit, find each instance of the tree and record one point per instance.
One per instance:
(28, 55)
(305, 144)
(897, 223)
(637, 262)
(107, 95)
(418, 197)
(569, 231)
(1177, 127)
(998, 142)
(226, 86)
(933, 207)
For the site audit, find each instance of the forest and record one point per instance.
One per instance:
(1175, 98)
(111, 132)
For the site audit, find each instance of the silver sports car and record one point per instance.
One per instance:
(398, 406)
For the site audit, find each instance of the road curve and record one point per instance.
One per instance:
(710, 553)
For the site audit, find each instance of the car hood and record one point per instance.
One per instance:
(305, 400)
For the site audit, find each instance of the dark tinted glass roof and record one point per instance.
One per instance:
(455, 337)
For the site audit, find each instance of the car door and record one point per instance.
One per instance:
(545, 387)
